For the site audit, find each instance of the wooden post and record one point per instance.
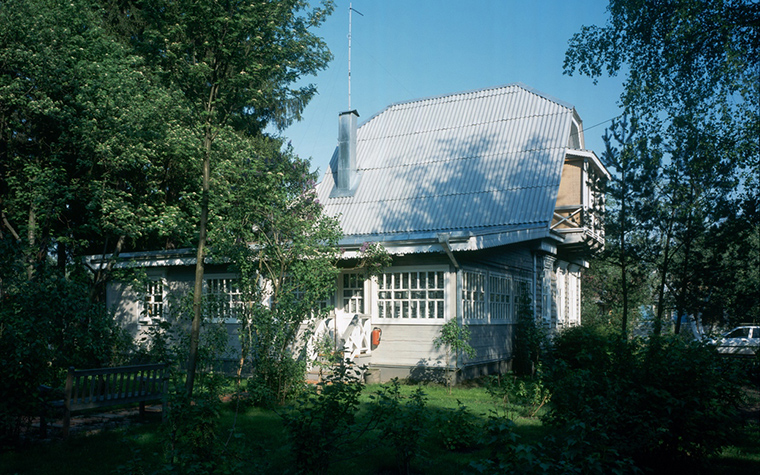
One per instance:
(67, 402)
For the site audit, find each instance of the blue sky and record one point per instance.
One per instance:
(412, 49)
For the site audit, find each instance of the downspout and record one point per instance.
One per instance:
(443, 239)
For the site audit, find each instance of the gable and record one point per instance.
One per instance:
(475, 163)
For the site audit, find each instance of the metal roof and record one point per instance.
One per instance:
(472, 162)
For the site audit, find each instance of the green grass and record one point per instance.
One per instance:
(139, 448)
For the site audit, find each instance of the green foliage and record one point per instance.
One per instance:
(285, 252)
(322, 422)
(458, 428)
(373, 258)
(47, 325)
(686, 170)
(403, 425)
(570, 452)
(455, 338)
(662, 401)
(193, 438)
(513, 395)
(529, 338)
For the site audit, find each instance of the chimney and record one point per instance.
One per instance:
(347, 172)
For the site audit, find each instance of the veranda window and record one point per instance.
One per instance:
(500, 298)
(153, 303)
(474, 296)
(223, 298)
(352, 300)
(413, 296)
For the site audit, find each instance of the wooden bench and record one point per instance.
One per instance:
(103, 387)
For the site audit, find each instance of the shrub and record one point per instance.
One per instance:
(46, 325)
(664, 400)
(322, 421)
(403, 425)
(529, 338)
(457, 428)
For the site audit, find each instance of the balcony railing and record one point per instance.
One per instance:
(579, 220)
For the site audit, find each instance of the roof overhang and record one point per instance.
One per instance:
(592, 158)
(444, 241)
(132, 260)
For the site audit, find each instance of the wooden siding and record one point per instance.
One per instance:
(408, 345)
(571, 186)
(491, 342)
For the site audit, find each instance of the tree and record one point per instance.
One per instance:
(693, 83)
(454, 337)
(685, 62)
(88, 157)
(236, 63)
(634, 169)
(271, 228)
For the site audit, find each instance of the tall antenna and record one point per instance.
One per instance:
(350, 9)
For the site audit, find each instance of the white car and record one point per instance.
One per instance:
(744, 340)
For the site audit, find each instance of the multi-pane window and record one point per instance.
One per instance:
(561, 296)
(352, 299)
(474, 296)
(491, 297)
(153, 304)
(411, 296)
(500, 297)
(223, 297)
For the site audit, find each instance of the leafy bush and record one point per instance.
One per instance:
(403, 425)
(454, 338)
(322, 421)
(664, 401)
(569, 453)
(457, 428)
(529, 339)
(46, 325)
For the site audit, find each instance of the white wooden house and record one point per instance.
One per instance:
(480, 197)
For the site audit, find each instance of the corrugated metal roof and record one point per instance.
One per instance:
(471, 161)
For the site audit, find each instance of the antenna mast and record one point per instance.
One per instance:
(350, 9)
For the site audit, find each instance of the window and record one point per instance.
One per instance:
(488, 297)
(153, 303)
(414, 296)
(223, 298)
(352, 300)
(474, 296)
(500, 298)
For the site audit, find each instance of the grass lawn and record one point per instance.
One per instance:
(138, 448)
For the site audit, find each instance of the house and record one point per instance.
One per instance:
(481, 198)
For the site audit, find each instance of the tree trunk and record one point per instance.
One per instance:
(31, 236)
(664, 269)
(195, 330)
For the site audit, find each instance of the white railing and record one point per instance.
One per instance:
(349, 332)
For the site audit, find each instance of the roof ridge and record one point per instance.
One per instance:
(473, 91)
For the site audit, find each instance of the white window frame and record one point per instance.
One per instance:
(475, 309)
(561, 295)
(352, 292)
(149, 302)
(233, 299)
(440, 304)
(496, 308)
(508, 304)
